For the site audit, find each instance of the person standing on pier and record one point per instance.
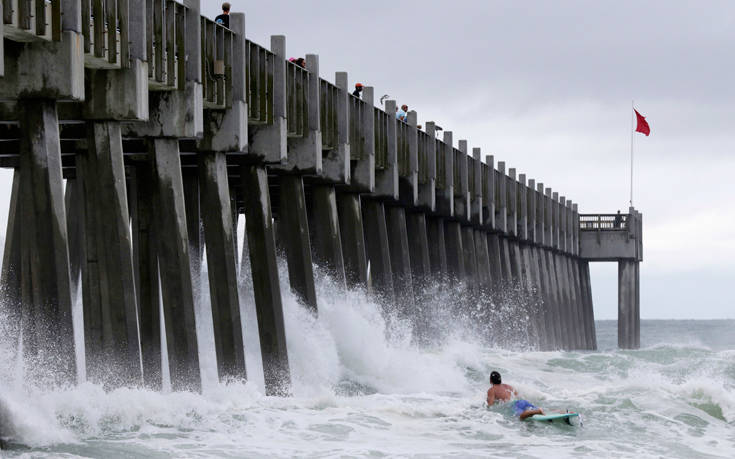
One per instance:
(358, 90)
(224, 18)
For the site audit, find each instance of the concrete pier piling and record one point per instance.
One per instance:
(177, 289)
(145, 255)
(378, 249)
(45, 281)
(400, 258)
(294, 233)
(220, 239)
(110, 303)
(324, 229)
(161, 154)
(266, 287)
(353, 239)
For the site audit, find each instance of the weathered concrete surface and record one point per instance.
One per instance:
(505, 262)
(455, 252)
(192, 205)
(324, 229)
(495, 255)
(470, 257)
(220, 238)
(437, 247)
(377, 249)
(484, 278)
(266, 288)
(629, 319)
(353, 239)
(10, 276)
(74, 205)
(45, 283)
(176, 283)
(110, 304)
(607, 245)
(553, 294)
(564, 305)
(293, 231)
(589, 311)
(145, 255)
(400, 258)
(418, 245)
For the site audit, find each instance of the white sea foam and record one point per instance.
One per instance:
(362, 386)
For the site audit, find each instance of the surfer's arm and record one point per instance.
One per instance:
(490, 397)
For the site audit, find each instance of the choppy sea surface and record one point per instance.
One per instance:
(364, 388)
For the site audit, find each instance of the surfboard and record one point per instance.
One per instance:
(557, 417)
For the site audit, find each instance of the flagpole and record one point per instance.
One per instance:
(632, 136)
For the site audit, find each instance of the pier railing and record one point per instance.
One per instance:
(297, 104)
(329, 96)
(381, 138)
(404, 153)
(441, 168)
(603, 222)
(105, 29)
(260, 64)
(424, 145)
(217, 43)
(166, 44)
(358, 110)
(31, 20)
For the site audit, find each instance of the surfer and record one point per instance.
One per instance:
(504, 393)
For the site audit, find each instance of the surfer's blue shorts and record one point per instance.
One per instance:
(521, 406)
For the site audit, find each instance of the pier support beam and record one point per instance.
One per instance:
(175, 267)
(470, 257)
(629, 318)
(10, 277)
(293, 228)
(266, 288)
(496, 269)
(110, 304)
(418, 245)
(455, 251)
(584, 271)
(437, 247)
(378, 249)
(220, 238)
(400, 259)
(553, 312)
(45, 282)
(324, 229)
(484, 277)
(353, 239)
(145, 255)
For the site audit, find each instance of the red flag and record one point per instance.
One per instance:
(643, 126)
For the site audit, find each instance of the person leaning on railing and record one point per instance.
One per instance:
(224, 18)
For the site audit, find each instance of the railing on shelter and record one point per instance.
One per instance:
(404, 155)
(329, 95)
(358, 110)
(381, 138)
(166, 44)
(297, 107)
(217, 42)
(260, 64)
(603, 222)
(30, 20)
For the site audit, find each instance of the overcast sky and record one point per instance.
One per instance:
(547, 87)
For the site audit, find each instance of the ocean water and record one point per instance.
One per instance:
(364, 388)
